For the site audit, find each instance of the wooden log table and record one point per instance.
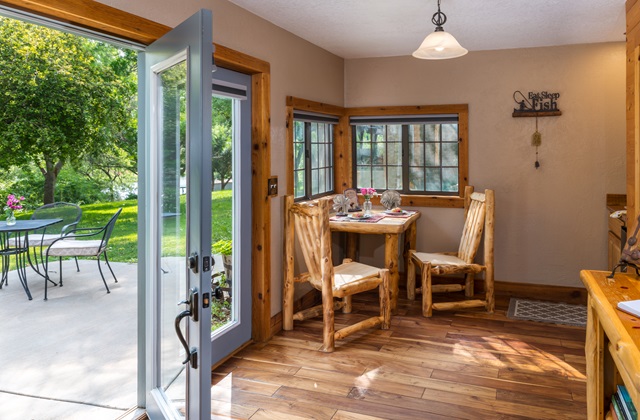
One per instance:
(391, 227)
(612, 340)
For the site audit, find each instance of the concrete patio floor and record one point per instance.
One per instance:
(73, 356)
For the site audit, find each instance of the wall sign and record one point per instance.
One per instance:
(536, 104)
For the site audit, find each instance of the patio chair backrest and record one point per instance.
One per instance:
(109, 229)
(69, 213)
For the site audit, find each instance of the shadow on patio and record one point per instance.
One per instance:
(73, 356)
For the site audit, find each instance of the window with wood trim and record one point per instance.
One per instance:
(313, 174)
(418, 154)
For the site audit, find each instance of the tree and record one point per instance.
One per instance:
(222, 140)
(63, 98)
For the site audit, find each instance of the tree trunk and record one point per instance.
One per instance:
(50, 177)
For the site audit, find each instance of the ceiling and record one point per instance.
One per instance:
(384, 28)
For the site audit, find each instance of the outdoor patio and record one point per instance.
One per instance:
(73, 356)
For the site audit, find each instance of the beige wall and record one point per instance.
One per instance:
(550, 222)
(298, 68)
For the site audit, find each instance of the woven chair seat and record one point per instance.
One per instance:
(348, 273)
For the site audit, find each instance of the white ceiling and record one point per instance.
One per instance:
(383, 28)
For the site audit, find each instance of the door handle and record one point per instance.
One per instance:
(191, 311)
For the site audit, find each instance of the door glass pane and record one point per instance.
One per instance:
(172, 99)
(223, 283)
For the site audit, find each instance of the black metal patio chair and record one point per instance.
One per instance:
(75, 244)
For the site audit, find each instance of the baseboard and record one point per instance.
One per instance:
(571, 295)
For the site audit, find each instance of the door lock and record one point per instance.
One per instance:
(193, 262)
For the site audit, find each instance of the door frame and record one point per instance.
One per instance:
(122, 25)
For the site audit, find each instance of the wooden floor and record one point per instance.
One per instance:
(455, 365)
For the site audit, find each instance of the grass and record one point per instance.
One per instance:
(123, 245)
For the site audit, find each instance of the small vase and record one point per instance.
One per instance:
(366, 207)
(11, 219)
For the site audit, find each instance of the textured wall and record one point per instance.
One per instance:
(550, 222)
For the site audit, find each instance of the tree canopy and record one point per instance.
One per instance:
(65, 99)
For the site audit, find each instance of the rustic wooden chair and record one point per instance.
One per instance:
(479, 216)
(310, 222)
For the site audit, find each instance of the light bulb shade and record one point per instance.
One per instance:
(439, 45)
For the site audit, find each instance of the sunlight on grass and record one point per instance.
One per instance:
(123, 246)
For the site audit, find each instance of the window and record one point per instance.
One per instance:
(414, 154)
(313, 174)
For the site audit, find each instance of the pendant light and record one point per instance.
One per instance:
(439, 45)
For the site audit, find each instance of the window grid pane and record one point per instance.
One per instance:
(432, 157)
(313, 159)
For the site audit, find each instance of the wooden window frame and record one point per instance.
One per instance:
(343, 145)
(308, 165)
(420, 200)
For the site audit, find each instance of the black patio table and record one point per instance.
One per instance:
(14, 240)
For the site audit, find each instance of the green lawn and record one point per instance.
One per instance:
(123, 246)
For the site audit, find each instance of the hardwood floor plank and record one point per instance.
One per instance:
(225, 410)
(540, 379)
(370, 379)
(236, 362)
(297, 408)
(346, 415)
(502, 408)
(271, 415)
(500, 384)
(541, 402)
(230, 383)
(428, 408)
(328, 385)
(371, 408)
(429, 384)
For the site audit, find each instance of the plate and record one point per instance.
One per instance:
(395, 212)
(359, 217)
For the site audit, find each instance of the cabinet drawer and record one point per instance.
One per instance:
(615, 225)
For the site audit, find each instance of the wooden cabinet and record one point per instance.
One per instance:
(612, 347)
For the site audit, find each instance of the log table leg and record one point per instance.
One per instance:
(409, 243)
(391, 262)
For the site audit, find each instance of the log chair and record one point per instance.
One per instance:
(479, 216)
(310, 222)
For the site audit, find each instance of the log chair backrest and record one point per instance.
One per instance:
(476, 207)
(311, 225)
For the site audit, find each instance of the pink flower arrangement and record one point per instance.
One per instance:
(13, 203)
(368, 192)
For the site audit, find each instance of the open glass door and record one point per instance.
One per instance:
(231, 213)
(175, 219)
